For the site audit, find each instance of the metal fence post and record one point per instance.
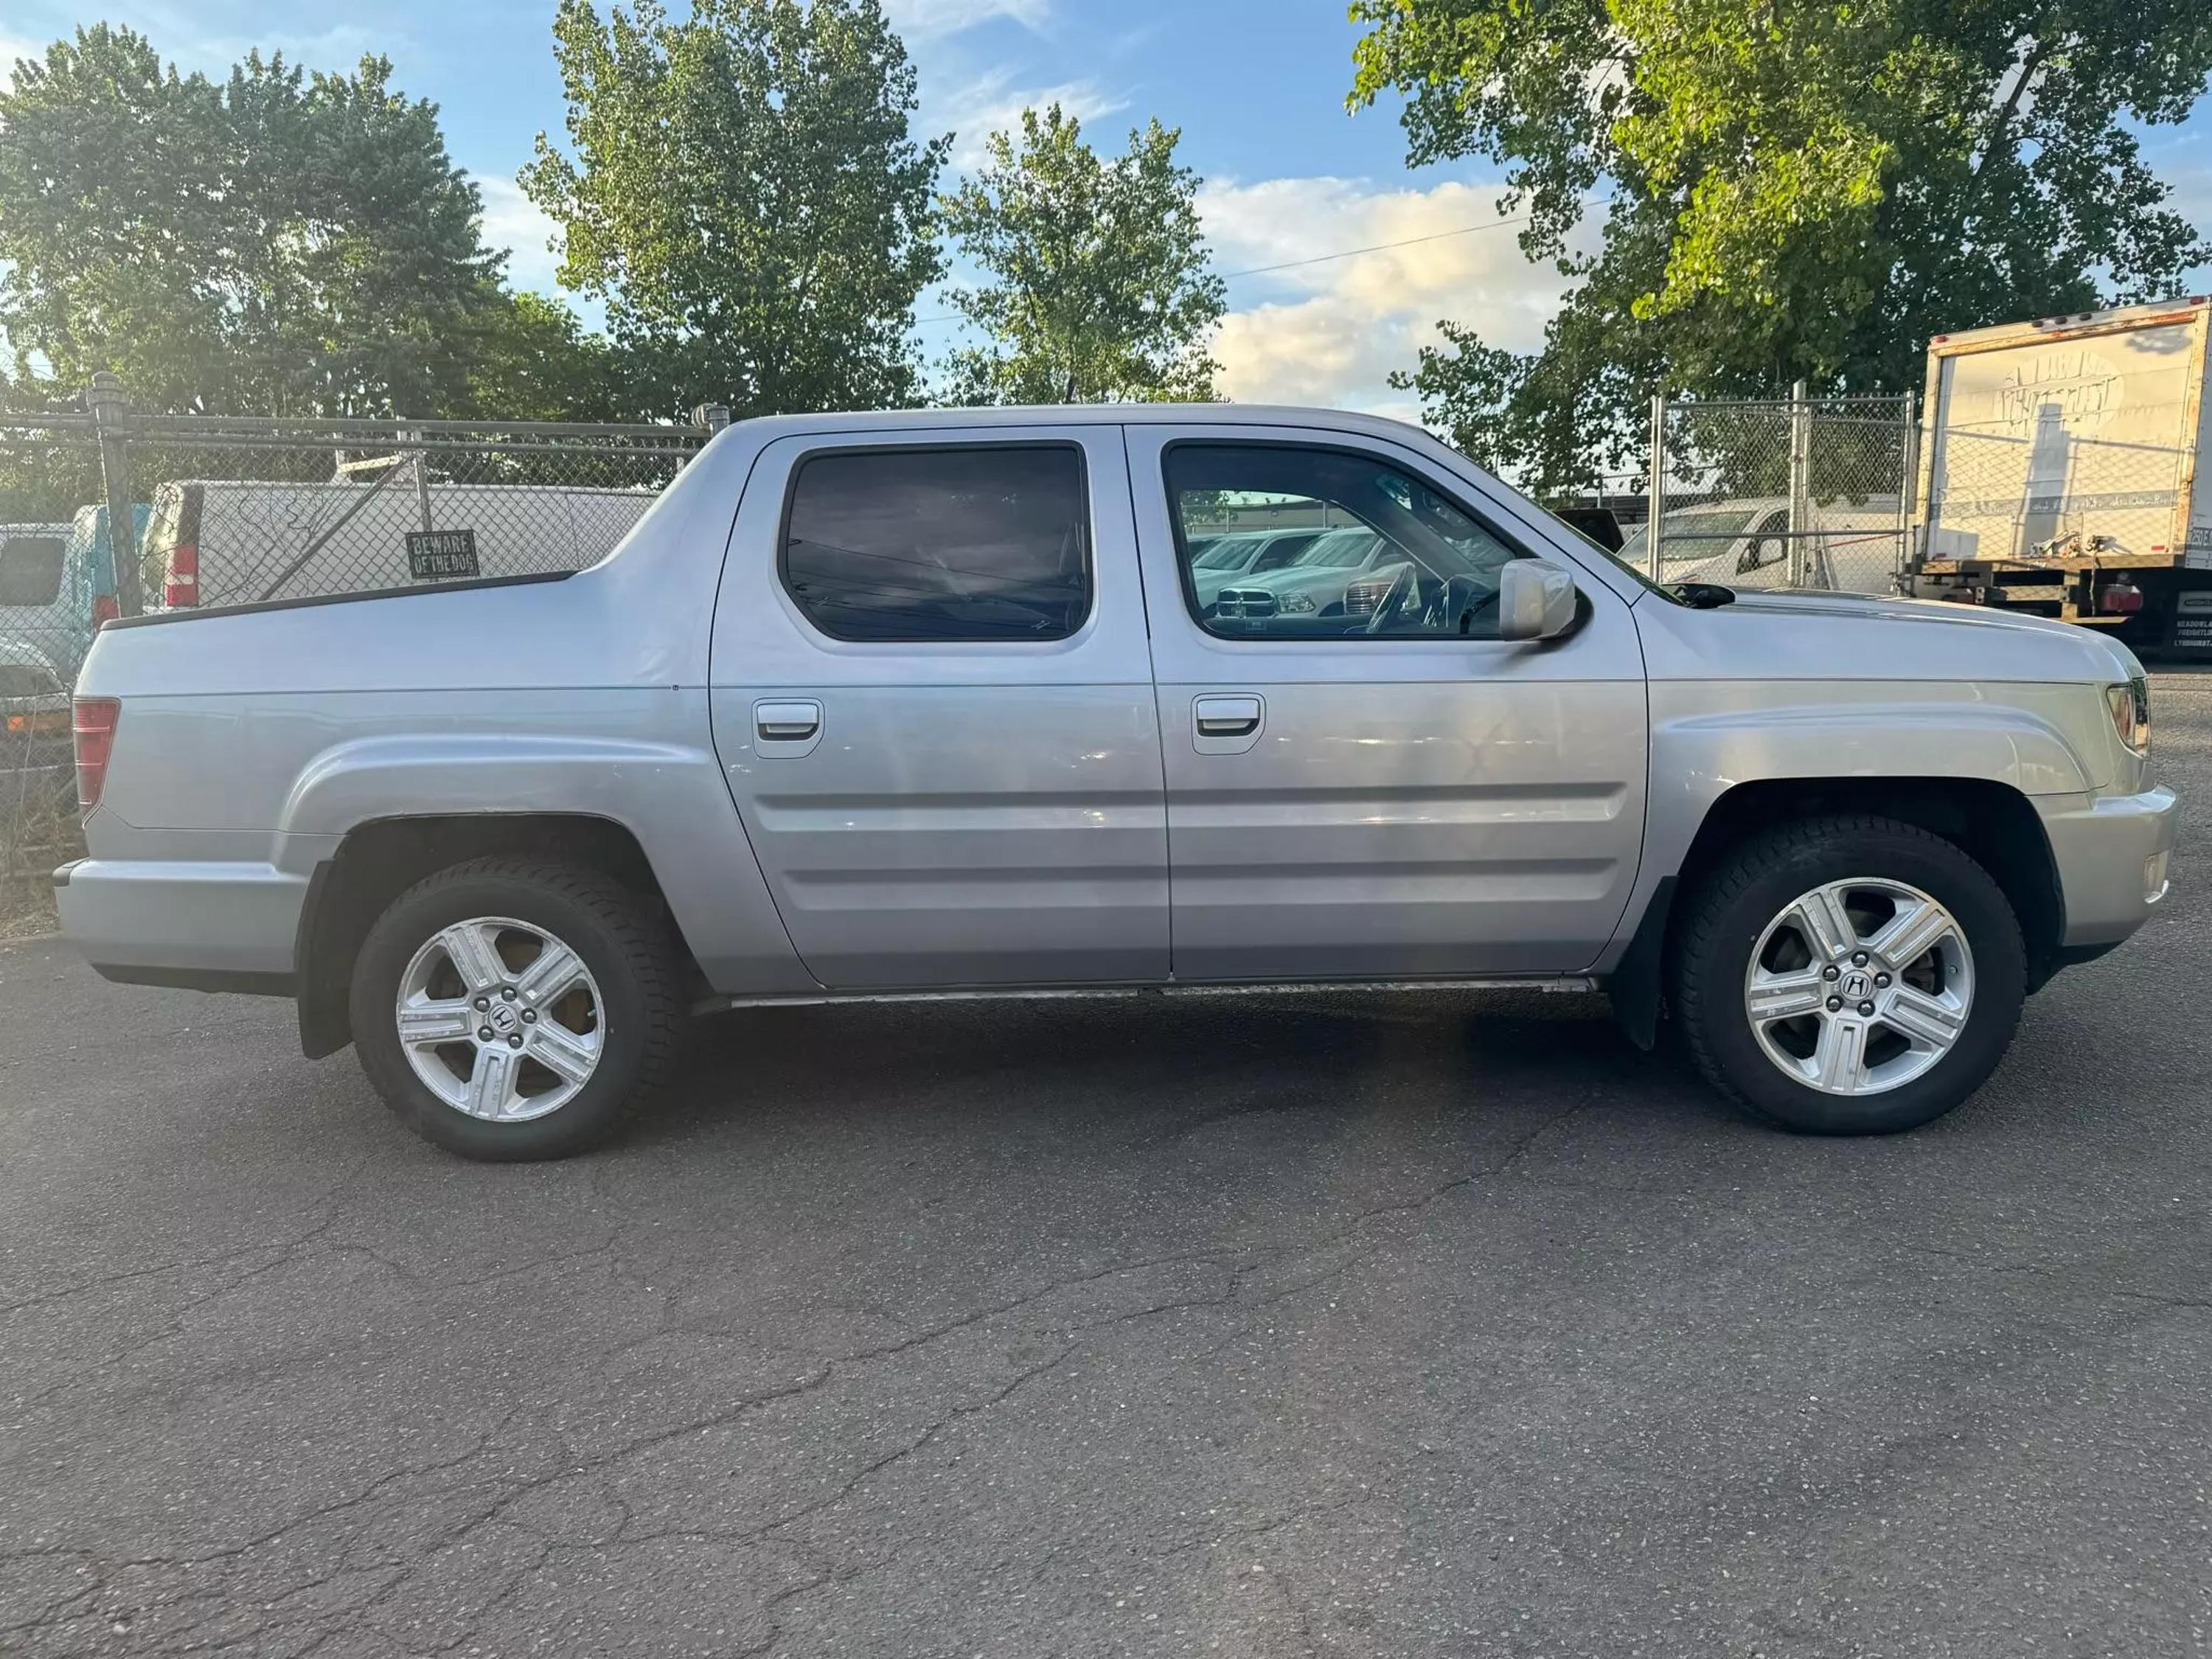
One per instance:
(1908, 479)
(1656, 490)
(422, 479)
(1800, 485)
(712, 416)
(110, 415)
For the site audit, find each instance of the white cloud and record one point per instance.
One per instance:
(1331, 333)
(935, 17)
(991, 103)
(512, 221)
(12, 47)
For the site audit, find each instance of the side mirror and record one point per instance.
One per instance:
(1535, 600)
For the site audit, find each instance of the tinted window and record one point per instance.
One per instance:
(983, 543)
(31, 569)
(1405, 561)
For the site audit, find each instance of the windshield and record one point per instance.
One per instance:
(1629, 558)
(1223, 555)
(1688, 536)
(1341, 550)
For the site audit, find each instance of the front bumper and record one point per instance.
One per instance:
(2112, 852)
(216, 926)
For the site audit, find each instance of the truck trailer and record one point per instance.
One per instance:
(2058, 472)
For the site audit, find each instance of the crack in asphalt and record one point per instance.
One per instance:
(1240, 1265)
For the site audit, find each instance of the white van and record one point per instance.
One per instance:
(223, 542)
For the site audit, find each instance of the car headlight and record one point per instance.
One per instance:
(2130, 706)
(1294, 602)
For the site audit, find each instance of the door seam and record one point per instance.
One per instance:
(1152, 673)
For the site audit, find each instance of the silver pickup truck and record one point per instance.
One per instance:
(928, 704)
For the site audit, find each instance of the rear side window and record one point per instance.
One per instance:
(31, 569)
(972, 543)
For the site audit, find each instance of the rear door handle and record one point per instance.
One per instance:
(1226, 717)
(787, 723)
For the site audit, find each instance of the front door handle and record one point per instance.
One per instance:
(1227, 717)
(787, 723)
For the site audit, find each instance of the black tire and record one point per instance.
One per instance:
(1721, 925)
(625, 946)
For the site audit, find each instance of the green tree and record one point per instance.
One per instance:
(275, 243)
(745, 194)
(528, 358)
(1788, 189)
(1102, 290)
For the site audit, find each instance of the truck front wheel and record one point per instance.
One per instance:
(506, 1009)
(1849, 976)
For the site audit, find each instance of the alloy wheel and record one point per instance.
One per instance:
(1860, 986)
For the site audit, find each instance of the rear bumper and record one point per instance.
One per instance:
(2111, 852)
(213, 927)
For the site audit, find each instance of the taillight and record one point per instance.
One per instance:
(105, 609)
(92, 726)
(180, 582)
(2120, 599)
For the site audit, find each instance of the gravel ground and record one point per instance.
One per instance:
(1318, 1325)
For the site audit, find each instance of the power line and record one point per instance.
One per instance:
(1378, 247)
(1317, 259)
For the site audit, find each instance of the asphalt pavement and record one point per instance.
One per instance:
(1329, 1325)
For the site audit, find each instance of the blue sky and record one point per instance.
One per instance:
(1257, 87)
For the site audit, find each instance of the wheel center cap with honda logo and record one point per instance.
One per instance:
(1857, 985)
(503, 1018)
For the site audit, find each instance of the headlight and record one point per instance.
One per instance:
(1294, 602)
(2130, 707)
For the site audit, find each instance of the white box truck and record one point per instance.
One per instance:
(2058, 472)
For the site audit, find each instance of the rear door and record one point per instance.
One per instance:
(933, 697)
(1363, 781)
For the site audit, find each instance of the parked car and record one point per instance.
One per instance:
(231, 541)
(33, 562)
(36, 765)
(1217, 561)
(1321, 581)
(1854, 546)
(920, 705)
(57, 585)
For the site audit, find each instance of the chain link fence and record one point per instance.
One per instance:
(227, 510)
(1803, 493)
(50, 485)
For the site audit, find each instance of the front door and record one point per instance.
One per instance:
(932, 699)
(1363, 781)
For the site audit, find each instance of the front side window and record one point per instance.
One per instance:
(1768, 544)
(989, 543)
(1385, 555)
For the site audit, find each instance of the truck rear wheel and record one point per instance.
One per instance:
(1850, 975)
(506, 1009)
